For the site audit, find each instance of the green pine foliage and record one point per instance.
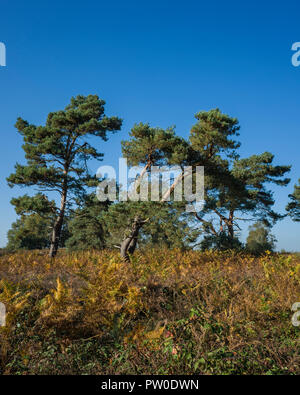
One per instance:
(260, 239)
(235, 188)
(57, 155)
(87, 228)
(29, 232)
(293, 207)
(166, 226)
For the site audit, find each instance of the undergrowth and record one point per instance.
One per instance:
(167, 312)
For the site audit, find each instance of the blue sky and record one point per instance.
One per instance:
(158, 62)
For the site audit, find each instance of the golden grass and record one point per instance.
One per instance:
(166, 312)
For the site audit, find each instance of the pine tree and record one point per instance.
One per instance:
(57, 156)
(87, 228)
(241, 194)
(29, 232)
(293, 207)
(260, 239)
(234, 187)
(147, 147)
(162, 225)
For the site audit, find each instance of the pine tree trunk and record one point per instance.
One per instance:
(55, 237)
(230, 224)
(231, 231)
(128, 245)
(56, 232)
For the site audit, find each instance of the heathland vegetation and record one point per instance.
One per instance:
(104, 287)
(168, 312)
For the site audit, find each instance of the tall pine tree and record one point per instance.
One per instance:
(57, 155)
(234, 187)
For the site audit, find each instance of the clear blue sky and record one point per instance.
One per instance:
(158, 62)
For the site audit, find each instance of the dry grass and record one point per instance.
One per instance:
(168, 312)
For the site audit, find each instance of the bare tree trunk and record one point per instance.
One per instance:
(173, 186)
(128, 245)
(139, 180)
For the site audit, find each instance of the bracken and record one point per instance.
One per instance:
(165, 312)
